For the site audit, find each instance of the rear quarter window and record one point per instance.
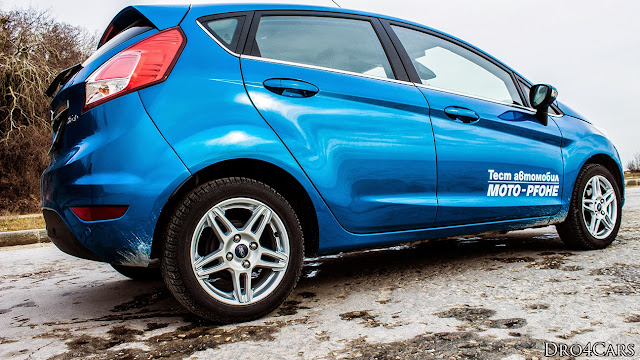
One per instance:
(226, 31)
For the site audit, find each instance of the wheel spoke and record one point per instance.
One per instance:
(202, 273)
(595, 224)
(595, 184)
(609, 197)
(205, 260)
(214, 214)
(587, 204)
(260, 218)
(247, 288)
(274, 254)
(275, 266)
(607, 222)
(241, 296)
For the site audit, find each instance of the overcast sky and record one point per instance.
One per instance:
(588, 49)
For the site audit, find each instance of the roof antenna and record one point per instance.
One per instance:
(335, 2)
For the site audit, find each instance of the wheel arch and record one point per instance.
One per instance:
(611, 165)
(276, 177)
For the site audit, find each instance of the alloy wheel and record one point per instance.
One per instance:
(240, 251)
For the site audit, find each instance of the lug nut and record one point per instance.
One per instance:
(253, 246)
(246, 264)
(229, 256)
(236, 238)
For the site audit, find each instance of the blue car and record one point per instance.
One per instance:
(218, 145)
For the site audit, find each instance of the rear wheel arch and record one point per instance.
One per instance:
(272, 175)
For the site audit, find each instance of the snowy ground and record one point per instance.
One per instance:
(492, 298)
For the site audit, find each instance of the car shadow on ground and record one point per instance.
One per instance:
(387, 265)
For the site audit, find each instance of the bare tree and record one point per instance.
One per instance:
(33, 49)
(634, 164)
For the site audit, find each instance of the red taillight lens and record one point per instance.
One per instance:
(98, 213)
(145, 63)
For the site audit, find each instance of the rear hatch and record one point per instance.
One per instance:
(130, 26)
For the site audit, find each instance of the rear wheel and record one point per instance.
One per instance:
(233, 251)
(595, 212)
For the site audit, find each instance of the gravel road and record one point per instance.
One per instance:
(492, 298)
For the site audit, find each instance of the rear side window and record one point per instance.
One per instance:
(226, 31)
(336, 43)
(445, 65)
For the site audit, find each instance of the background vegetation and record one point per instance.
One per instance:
(634, 164)
(33, 49)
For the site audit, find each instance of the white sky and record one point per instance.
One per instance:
(588, 49)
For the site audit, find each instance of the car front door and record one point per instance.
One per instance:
(335, 92)
(496, 161)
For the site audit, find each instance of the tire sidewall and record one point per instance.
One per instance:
(246, 189)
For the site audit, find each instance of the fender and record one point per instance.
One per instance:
(582, 141)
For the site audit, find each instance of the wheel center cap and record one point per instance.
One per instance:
(242, 251)
(599, 207)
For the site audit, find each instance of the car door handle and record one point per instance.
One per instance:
(465, 115)
(291, 88)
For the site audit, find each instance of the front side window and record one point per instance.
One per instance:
(335, 43)
(445, 65)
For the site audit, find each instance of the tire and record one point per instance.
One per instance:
(225, 237)
(139, 273)
(581, 230)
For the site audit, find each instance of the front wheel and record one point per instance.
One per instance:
(233, 251)
(595, 212)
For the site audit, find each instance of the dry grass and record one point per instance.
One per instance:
(628, 175)
(15, 224)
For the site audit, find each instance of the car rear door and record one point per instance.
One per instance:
(335, 92)
(496, 161)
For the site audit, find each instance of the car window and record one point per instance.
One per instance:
(445, 65)
(335, 43)
(227, 30)
(526, 89)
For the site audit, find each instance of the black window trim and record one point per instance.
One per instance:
(413, 73)
(397, 67)
(245, 19)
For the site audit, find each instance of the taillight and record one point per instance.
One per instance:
(143, 64)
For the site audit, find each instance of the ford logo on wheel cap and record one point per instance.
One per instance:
(241, 251)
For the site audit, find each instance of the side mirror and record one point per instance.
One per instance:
(541, 97)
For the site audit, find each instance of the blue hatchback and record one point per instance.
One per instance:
(218, 145)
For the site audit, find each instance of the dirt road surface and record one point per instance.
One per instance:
(492, 298)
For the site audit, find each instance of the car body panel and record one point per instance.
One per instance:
(365, 143)
(479, 163)
(138, 149)
(119, 159)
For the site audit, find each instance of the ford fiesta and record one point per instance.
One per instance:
(219, 145)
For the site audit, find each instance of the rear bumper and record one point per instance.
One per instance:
(112, 155)
(63, 238)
